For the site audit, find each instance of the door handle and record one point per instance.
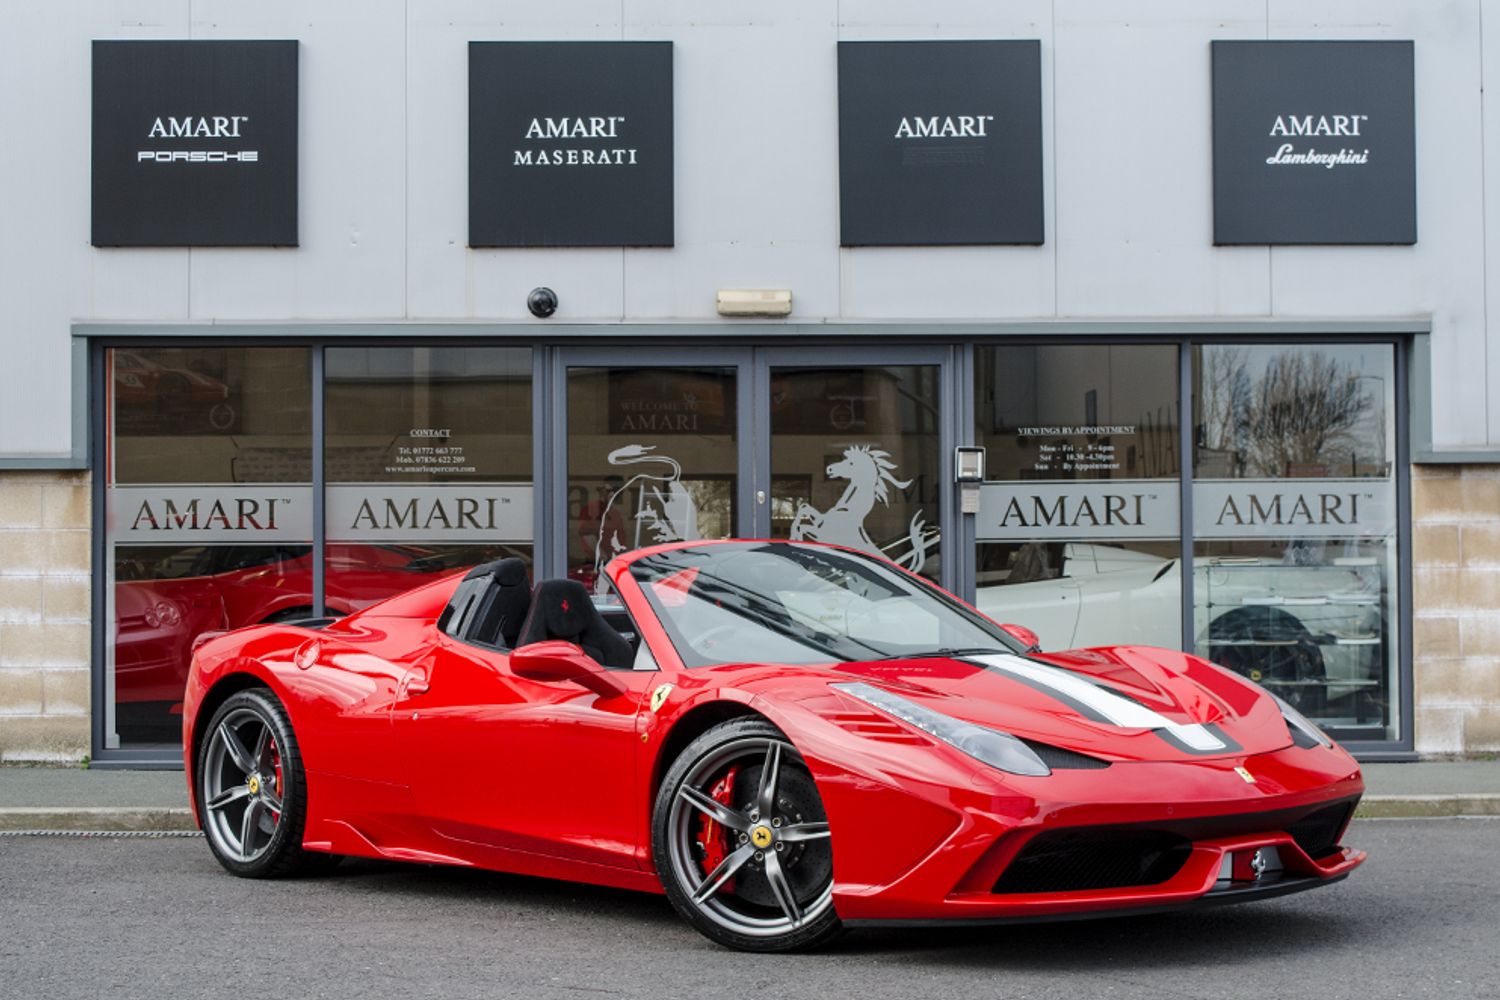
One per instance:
(415, 683)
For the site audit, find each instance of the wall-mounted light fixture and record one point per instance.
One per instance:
(755, 302)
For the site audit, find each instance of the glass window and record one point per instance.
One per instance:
(208, 515)
(652, 458)
(428, 462)
(1078, 529)
(1294, 525)
(855, 460)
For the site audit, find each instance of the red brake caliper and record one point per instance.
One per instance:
(712, 834)
(276, 768)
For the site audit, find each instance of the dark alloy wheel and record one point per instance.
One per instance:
(1272, 647)
(741, 841)
(252, 792)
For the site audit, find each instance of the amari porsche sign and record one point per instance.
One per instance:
(195, 143)
(570, 144)
(940, 143)
(1314, 143)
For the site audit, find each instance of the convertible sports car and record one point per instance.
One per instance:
(785, 738)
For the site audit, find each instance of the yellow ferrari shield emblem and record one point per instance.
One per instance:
(254, 785)
(659, 696)
(761, 837)
(1244, 773)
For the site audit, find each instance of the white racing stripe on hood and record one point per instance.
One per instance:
(1108, 705)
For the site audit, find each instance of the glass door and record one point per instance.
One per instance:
(651, 450)
(856, 454)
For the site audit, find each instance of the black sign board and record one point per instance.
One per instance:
(940, 143)
(195, 143)
(570, 144)
(1314, 142)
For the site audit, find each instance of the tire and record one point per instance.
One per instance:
(1272, 647)
(771, 887)
(252, 790)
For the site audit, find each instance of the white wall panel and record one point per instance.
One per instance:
(49, 275)
(756, 169)
(384, 180)
(954, 283)
(1444, 273)
(352, 172)
(445, 279)
(1134, 157)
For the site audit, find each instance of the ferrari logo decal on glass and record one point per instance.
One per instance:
(872, 476)
(665, 510)
(659, 696)
(1244, 773)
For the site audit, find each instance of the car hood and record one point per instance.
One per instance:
(1118, 703)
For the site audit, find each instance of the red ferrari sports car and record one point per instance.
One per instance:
(785, 738)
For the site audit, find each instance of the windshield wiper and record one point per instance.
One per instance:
(946, 651)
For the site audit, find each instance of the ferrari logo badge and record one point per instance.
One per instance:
(659, 696)
(1243, 773)
(761, 837)
(254, 784)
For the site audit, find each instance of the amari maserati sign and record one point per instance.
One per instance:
(570, 144)
(940, 143)
(195, 143)
(1314, 143)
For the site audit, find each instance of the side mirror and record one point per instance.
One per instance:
(555, 660)
(1024, 636)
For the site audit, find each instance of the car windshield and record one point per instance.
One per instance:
(779, 602)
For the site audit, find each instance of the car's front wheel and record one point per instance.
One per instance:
(741, 841)
(252, 790)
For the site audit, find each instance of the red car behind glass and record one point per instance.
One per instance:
(198, 589)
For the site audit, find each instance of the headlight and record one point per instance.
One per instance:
(989, 746)
(1298, 722)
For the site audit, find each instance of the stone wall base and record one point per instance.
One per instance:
(1456, 602)
(44, 616)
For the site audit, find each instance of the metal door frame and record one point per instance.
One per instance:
(552, 555)
(946, 358)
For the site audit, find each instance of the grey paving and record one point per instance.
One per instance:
(132, 918)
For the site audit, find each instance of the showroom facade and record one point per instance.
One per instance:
(1197, 409)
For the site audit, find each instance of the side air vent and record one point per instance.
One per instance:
(1317, 833)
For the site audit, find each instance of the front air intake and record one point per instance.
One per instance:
(1094, 858)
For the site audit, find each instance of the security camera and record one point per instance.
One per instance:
(542, 302)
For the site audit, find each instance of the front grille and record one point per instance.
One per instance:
(1065, 760)
(1097, 858)
(1317, 833)
(1113, 857)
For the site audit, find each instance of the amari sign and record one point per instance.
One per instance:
(940, 143)
(195, 143)
(570, 144)
(1314, 143)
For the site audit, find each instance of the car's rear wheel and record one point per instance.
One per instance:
(252, 790)
(742, 843)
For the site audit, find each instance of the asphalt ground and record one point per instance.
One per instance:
(156, 917)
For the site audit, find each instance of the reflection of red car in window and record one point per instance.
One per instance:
(167, 603)
(146, 387)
